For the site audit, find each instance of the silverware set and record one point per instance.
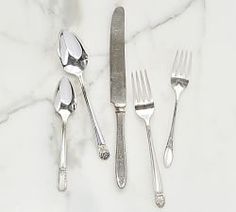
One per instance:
(74, 60)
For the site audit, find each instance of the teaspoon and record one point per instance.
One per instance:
(65, 104)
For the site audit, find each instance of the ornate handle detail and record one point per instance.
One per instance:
(169, 150)
(101, 144)
(121, 160)
(62, 180)
(169, 153)
(157, 182)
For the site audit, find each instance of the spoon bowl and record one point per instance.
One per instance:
(65, 100)
(73, 57)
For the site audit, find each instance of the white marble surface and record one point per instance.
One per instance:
(203, 174)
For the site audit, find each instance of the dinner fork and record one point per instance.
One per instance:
(180, 70)
(144, 107)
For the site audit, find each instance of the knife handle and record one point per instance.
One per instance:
(121, 160)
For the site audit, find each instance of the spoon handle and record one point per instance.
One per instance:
(101, 144)
(62, 179)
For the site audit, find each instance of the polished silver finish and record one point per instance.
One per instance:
(144, 107)
(65, 104)
(74, 60)
(181, 67)
(118, 90)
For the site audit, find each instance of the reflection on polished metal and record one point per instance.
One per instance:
(74, 60)
(181, 67)
(144, 107)
(65, 104)
(118, 90)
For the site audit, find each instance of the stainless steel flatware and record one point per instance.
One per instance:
(144, 107)
(181, 67)
(65, 104)
(118, 90)
(74, 60)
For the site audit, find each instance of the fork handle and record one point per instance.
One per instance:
(121, 160)
(157, 182)
(169, 150)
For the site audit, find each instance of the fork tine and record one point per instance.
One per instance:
(139, 91)
(135, 95)
(175, 62)
(189, 66)
(148, 85)
(144, 86)
(184, 65)
(180, 63)
(142, 93)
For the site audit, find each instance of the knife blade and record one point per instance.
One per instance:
(118, 90)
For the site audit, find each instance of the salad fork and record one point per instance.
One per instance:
(144, 107)
(181, 67)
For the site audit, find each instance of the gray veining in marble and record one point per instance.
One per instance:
(202, 177)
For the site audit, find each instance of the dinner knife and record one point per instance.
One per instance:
(118, 90)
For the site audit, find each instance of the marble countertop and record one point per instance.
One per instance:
(203, 175)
